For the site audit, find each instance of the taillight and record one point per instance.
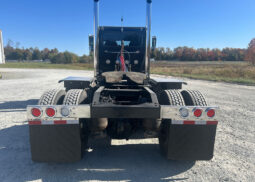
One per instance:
(50, 112)
(211, 113)
(198, 112)
(36, 112)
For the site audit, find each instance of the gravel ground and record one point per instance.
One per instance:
(234, 157)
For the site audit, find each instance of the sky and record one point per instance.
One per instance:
(66, 24)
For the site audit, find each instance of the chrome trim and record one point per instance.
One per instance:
(148, 38)
(2, 57)
(173, 112)
(83, 111)
(96, 23)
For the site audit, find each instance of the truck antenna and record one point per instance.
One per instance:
(121, 23)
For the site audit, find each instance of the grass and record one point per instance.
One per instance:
(233, 72)
(39, 65)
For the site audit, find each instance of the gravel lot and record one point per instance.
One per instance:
(234, 158)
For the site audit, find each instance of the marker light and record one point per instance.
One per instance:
(198, 112)
(36, 112)
(50, 112)
(184, 112)
(65, 111)
(210, 113)
(108, 61)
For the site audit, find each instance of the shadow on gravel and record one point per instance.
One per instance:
(17, 104)
(115, 163)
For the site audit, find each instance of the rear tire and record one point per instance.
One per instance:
(59, 143)
(77, 97)
(168, 97)
(186, 142)
(55, 143)
(52, 97)
(193, 98)
(171, 97)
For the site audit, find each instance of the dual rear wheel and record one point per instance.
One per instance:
(175, 98)
(59, 97)
(73, 147)
(59, 143)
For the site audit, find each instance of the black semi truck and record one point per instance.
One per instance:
(119, 101)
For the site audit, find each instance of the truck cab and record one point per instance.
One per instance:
(110, 45)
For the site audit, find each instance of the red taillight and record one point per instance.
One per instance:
(50, 112)
(210, 113)
(36, 112)
(198, 112)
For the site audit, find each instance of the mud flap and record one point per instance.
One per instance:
(191, 142)
(55, 143)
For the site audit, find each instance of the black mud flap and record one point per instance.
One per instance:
(55, 143)
(191, 142)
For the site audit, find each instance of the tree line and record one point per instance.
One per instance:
(167, 54)
(51, 55)
(201, 54)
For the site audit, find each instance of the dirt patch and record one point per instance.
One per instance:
(13, 75)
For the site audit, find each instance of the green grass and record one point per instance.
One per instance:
(76, 66)
(232, 72)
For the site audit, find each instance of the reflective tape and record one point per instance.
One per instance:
(34, 122)
(211, 122)
(190, 122)
(53, 122)
(60, 122)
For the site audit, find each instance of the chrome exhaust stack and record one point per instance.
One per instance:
(96, 22)
(2, 58)
(148, 38)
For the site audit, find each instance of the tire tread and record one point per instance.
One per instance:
(49, 97)
(193, 98)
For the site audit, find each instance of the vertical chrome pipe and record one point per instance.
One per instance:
(96, 22)
(148, 38)
(2, 58)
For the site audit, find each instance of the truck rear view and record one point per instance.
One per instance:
(121, 101)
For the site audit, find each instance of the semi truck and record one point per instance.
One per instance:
(120, 101)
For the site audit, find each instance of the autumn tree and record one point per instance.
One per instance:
(250, 53)
(36, 55)
(27, 55)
